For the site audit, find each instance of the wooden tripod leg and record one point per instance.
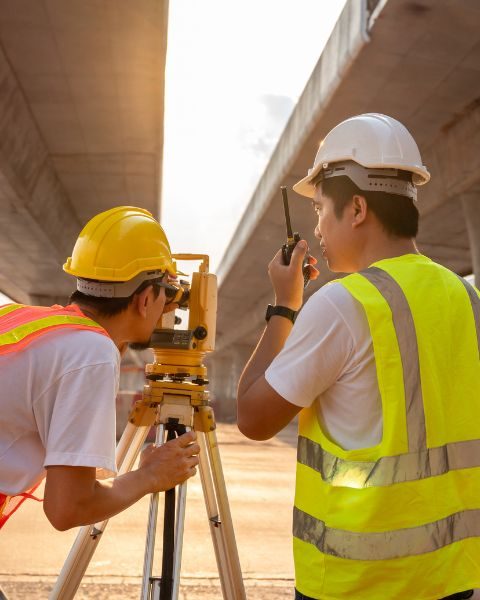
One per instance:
(218, 511)
(88, 537)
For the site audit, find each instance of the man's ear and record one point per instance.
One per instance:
(141, 301)
(359, 210)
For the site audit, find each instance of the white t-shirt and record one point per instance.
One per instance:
(57, 406)
(328, 359)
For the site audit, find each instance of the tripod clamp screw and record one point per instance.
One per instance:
(216, 522)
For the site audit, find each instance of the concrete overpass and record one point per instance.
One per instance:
(418, 61)
(81, 112)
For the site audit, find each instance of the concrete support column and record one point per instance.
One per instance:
(471, 210)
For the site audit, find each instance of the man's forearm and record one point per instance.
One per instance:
(91, 501)
(288, 283)
(73, 495)
(111, 496)
(270, 344)
(261, 411)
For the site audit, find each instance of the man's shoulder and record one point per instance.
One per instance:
(83, 346)
(334, 307)
(335, 295)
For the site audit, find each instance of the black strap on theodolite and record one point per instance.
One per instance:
(166, 583)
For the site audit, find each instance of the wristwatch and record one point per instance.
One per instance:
(283, 311)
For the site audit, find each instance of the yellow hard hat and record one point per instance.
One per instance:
(118, 244)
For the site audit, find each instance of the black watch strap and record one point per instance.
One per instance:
(283, 311)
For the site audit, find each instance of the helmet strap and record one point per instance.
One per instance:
(390, 181)
(115, 289)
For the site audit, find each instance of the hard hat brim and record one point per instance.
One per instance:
(305, 187)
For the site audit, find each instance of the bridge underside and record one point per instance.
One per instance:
(81, 111)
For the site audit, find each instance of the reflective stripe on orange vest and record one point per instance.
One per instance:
(19, 326)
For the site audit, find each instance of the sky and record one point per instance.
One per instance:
(235, 71)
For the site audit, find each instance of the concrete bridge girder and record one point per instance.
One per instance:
(81, 111)
(36, 217)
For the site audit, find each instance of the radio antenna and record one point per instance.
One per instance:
(287, 214)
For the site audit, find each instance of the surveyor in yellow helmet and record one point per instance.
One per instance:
(383, 369)
(59, 373)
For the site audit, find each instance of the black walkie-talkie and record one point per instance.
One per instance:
(292, 241)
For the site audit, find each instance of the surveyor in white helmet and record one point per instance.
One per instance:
(382, 367)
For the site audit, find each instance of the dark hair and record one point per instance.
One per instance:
(109, 307)
(397, 214)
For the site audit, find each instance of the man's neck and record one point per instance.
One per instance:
(382, 249)
(112, 325)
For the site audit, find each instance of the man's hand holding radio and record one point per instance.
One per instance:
(288, 280)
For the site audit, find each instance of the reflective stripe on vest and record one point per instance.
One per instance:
(401, 543)
(388, 470)
(383, 483)
(475, 300)
(407, 341)
(21, 324)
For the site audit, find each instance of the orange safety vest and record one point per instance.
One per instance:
(9, 504)
(20, 325)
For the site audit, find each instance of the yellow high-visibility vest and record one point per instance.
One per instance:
(400, 520)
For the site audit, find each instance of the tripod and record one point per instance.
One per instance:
(174, 400)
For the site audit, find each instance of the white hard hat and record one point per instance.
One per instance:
(375, 142)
